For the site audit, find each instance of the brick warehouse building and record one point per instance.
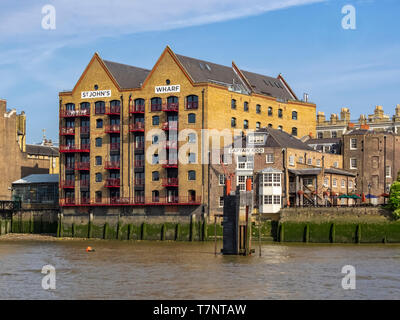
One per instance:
(106, 118)
(285, 171)
(19, 159)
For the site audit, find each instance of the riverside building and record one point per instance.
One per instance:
(123, 127)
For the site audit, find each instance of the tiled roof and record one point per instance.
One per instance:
(128, 77)
(40, 150)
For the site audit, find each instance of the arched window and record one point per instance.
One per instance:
(156, 120)
(155, 175)
(294, 131)
(258, 108)
(99, 107)
(233, 122)
(246, 106)
(172, 100)
(191, 175)
(270, 111)
(70, 106)
(294, 115)
(191, 118)
(258, 124)
(99, 123)
(233, 104)
(192, 195)
(192, 102)
(280, 113)
(85, 106)
(280, 128)
(245, 124)
(269, 125)
(156, 103)
(138, 105)
(115, 106)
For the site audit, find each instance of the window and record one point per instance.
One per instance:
(98, 160)
(270, 111)
(334, 134)
(336, 164)
(99, 123)
(221, 179)
(233, 104)
(99, 142)
(271, 179)
(258, 124)
(155, 159)
(155, 176)
(294, 131)
(241, 182)
(280, 128)
(326, 181)
(70, 106)
(269, 158)
(139, 104)
(300, 159)
(308, 181)
(155, 196)
(191, 175)
(343, 184)
(294, 115)
(280, 113)
(156, 104)
(154, 139)
(309, 161)
(277, 199)
(269, 125)
(191, 118)
(353, 144)
(221, 202)
(85, 106)
(246, 106)
(267, 199)
(291, 160)
(98, 196)
(192, 102)
(320, 135)
(258, 108)
(192, 157)
(353, 163)
(318, 162)
(245, 162)
(388, 171)
(350, 184)
(99, 107)
(245, 124)
(233, 122)
(156, 120)
(99, 177)
(334, 182)
(192, 137)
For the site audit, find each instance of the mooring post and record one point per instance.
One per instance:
(215, 234)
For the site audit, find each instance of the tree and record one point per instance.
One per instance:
(394, 197)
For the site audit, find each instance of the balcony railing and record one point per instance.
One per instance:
(113, 110)
(73, 148)
(136, 108)
(171, 125)
(65, 131)
(139, 163)
(85, 130)
(112, 128)
(85, 201)
(170, 182)
(68, 184)
(137, 200)
(84, 183)
(139, 182)
(156, 107)
(115, 146)
(82, 166)
(169, 164)
(192, 105)
(170, 144)
(75, 113)
(112, 165)
(172, 106)
(137, 126)
(112, 183)
(70, 166)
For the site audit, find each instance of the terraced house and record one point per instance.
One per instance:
(119, 129)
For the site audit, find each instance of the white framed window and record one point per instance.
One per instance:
(221, 202)
(267, 199)
(326, 182)
(353, 144)
(334, 182)
(350, 184)
(241, 182)
(353, 163)
(300, 159)
(291, 160)
(388, 172)
(221, 179)
(245, 162)
(269, 158)
(277, 199)
(343, 184)
(309, 161)
(308, 181)
(318, 162)
(334, 134)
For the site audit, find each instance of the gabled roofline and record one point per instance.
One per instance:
(175, 58)
(242, 76)
(280, 77)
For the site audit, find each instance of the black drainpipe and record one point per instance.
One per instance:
(121, 157)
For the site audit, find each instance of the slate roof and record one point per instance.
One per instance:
(40, 150)
(340, 171)
(38, 178)
(128, 77)
(324, 141)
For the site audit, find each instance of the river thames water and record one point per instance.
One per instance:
(174, 270)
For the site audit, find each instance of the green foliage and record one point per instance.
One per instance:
(394, 199)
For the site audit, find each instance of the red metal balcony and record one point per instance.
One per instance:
(136, 127)
(139, 163)
(171, 107)
(112, 165)
(170, 182)
(171, 125)
(82, 166)
(66, 131)
(84, 183)
(136, 108)
(192, 105)
(85, 130)
(169, 164)
(170, 144)
(139, 145)
(118, 200)
(113, 110)
(84, 201)
(112, 128)
(139, 182)
(112, 183)
(68, 184)
(137, 200)
(114, 146)
(67, 201)
(73, 148)
(156, 107)
(74, 113)
(69, 166)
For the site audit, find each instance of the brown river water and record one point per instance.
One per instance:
(179, 270)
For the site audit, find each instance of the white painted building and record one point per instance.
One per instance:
(270, 190)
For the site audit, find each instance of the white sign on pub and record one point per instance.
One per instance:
(95, 94)
(167, 89)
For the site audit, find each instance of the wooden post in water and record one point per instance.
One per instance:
(215, 235)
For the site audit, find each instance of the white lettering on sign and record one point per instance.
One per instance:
(246, 150)
(167, 89)
(95, 94)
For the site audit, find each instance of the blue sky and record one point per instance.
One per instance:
(302, 39)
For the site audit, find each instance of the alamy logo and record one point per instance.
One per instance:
(49, 20)
(349, 20)
(349, 280)
(49, 280)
